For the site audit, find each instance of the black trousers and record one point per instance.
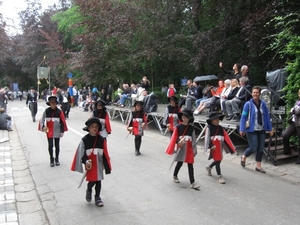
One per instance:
(50, 148)
(97, 184)
(289, 132)
(137, 142)
(33, 109)
(65, 107)
(190, 168)
(217, 164)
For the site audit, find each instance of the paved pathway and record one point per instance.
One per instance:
(8, 211)
(19, 202)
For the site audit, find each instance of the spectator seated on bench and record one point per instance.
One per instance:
(235, 105)
(194, 94)
(139, 96)
(207, 102)
(206, 93)
(125, 95)
(215, 102)
(228, 96)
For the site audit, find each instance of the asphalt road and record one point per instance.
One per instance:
(140, 189)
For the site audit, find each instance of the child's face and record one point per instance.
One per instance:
(93, 129)
(138, 107)
(172, 102)
(185, 120)
(215, 121)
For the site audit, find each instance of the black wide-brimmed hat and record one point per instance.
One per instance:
(174, 98)
(100, 102)
(52, 98)
(31, 87)
(90, 121)
(139, 102)
(188, 114)
(213, 116)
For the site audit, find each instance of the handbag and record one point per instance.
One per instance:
(248, 121)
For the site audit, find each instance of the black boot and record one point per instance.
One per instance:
(57, 163)
(51, 161)
(137, 152)
(88, 196)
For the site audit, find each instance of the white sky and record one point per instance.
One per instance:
(10, 9)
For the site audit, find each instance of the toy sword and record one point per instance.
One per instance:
(176, 154)
(181, 142)
(82, 179)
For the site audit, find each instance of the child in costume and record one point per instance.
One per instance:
(53, 123)
(184, 137)
(171, 114)
(216, 139)
(92, 152)
(101, 113)
(137, 122)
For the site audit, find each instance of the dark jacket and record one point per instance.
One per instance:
(3, 121)
(245, 94)
(31, 97)
(233, 93)
(231, 73)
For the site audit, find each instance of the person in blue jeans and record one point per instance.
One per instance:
(127, 94)
(259, 122)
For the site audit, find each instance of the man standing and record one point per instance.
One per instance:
(109, 95)
(75, 95)
(32, 102)
(244, 73)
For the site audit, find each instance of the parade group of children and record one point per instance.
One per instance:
(183, 140)
(92, 158)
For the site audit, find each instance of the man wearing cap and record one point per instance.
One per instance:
(53, 123)
(31, 101)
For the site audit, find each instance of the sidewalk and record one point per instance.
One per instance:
(20, 203)
(8, 214)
